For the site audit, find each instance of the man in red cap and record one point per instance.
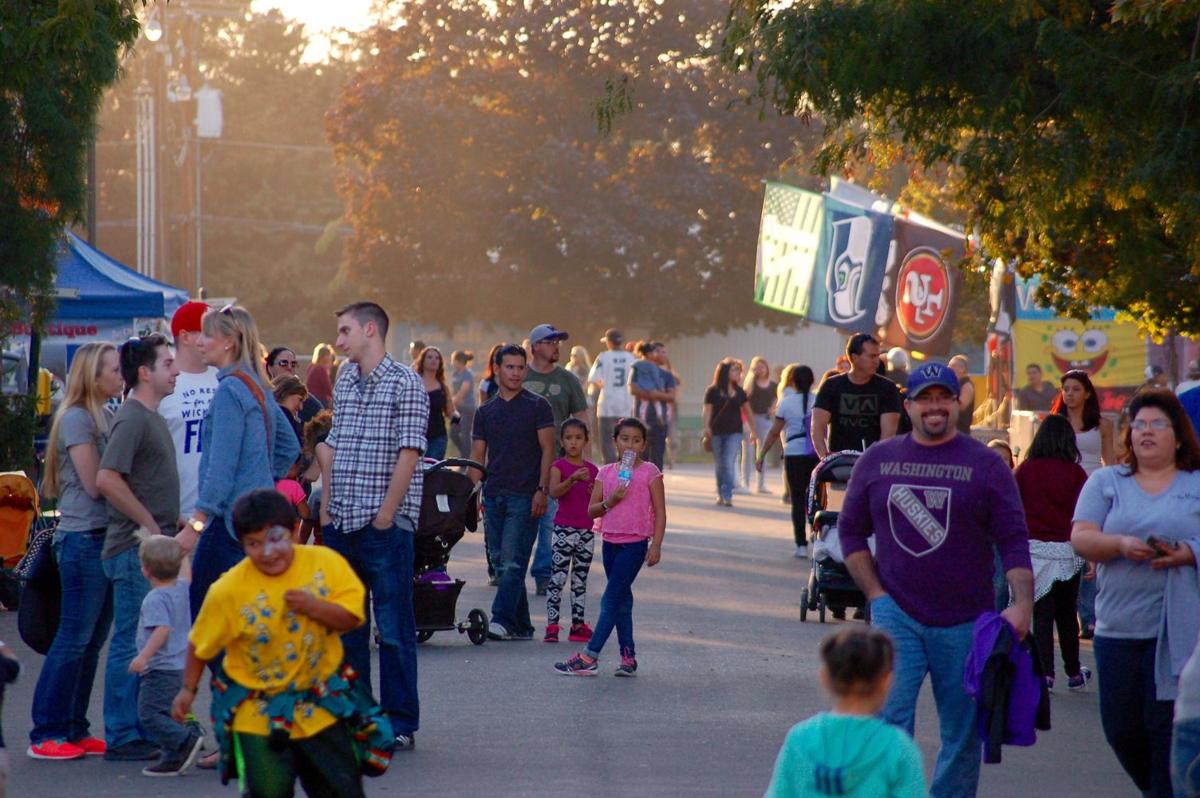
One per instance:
(184, 410)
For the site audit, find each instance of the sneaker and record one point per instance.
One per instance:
(1087, 633)
(741, 491)
(55, 749)
(179, 764)
(764, 492)
(801, 552)
(551, 635)
(165, 767)
(580, 633)
(405, 742)
(727, 502)
(493, 581)
(1049, 684)
(1080, 681)
(92, 746)
(133, 751)
(627, 668)
(496, 631)
(520, 635)
(577, 665)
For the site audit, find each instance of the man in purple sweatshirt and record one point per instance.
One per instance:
(937, 502)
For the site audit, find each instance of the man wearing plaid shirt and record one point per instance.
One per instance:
(380, 415)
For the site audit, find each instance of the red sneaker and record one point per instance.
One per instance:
(552, 631)
(580, 633)
(92, 746)
(55, 749)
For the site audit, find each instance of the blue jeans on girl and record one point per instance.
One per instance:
(622, 561)
(64, 687)
(725, 450)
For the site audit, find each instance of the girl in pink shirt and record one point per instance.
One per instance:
(633, 520)
(571, 480)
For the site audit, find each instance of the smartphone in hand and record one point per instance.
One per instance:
(1162, 548)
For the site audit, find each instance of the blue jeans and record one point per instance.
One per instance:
(622, 561)
(435, 448)
(725, 450)
(656, 443)
(941, 652)
(216, 552)
(64, 687)
(1087, 603)
(383, 560)
(543, 554)
(509, 518)
(129, 587)
(1185, 757)
(1136, 724)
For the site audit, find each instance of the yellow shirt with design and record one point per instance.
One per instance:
(267, 646)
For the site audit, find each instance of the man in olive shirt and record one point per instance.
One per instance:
(562, 390)
(138, 477)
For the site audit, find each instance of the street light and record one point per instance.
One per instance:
(153, 30)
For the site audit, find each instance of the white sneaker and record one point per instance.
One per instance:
(764, 492)
(740, 491)
(496, 631)
(801, 551)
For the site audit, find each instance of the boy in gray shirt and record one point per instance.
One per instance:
(162, 637)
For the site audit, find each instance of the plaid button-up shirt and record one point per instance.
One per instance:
(374, 417)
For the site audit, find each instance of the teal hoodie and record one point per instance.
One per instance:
(847, 756)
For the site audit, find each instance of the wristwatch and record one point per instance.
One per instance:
(542, 488)
(197, 526)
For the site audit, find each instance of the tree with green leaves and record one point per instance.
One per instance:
(55, 61)
(1071, 130)
(479, 188)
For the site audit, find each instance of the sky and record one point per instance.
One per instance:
(323, 14)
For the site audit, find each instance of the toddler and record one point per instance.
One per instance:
(850, 752)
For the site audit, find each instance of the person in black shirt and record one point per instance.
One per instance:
(855, 409)
(725, 410)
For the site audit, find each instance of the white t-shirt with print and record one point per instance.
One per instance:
(184, 412)
(614, 368)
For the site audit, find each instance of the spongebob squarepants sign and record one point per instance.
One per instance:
(1110, 351)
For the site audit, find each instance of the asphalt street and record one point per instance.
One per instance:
(725, 668)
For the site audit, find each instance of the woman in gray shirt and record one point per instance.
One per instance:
(77, 439)
(1141, 523)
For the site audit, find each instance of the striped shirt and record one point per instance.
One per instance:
(373, 419)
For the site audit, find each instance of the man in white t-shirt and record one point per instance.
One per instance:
(610, 373)
(184, 410)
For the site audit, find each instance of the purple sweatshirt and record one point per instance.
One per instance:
(935, 512)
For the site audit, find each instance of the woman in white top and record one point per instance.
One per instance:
(793, 419)
(1094, 438)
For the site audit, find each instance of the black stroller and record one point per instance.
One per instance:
(829, 583)
(449, 507)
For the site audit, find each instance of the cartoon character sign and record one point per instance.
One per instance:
(1110, 352)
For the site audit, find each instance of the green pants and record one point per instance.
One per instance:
(325, 763)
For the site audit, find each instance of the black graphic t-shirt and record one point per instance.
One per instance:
(854, 410)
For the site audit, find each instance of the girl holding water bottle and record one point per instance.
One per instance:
(630, 502)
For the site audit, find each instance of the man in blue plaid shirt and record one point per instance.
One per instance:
(380, 415)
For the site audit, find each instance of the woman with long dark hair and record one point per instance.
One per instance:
(760, 393)
(1138, 521)
(1050, 480)
(488, 387)
(793, 419)
(432, 367)
(725, 410)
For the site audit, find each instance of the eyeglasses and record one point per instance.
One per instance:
(1141, 424)
(935, 399)
(287, 363)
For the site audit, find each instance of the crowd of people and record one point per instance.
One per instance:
(185, 519)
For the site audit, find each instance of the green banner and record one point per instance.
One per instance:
(789, 236)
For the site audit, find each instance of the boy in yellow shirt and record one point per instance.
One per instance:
(282, 695)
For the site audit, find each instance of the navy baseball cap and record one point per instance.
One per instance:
(929, 375)
(546, 332)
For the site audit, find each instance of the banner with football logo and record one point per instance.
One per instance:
(850, 267)
(789, 236)
(921, 291)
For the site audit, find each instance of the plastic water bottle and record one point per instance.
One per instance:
(625, 472)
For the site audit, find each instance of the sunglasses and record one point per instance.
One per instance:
(287, 363)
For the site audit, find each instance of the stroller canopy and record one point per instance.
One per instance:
(18, 509)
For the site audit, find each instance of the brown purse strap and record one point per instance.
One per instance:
(257, 390)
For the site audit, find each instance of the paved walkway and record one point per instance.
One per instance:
(726, 668)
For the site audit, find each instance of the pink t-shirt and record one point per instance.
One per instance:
(291, 490)
(632, 519)
(573, 505)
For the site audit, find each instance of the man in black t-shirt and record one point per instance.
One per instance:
(855, 409)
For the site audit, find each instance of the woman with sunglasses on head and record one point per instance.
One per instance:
(281, 362)
(1139, 522)
(257, 444)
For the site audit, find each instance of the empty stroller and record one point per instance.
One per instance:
(829, 583)
(449, 507)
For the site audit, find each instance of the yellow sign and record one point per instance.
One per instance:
(1112, 353)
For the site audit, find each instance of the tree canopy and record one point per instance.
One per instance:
(1071, 129)
(479, 188)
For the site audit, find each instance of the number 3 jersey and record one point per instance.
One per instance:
(614, 369)
(935, 512)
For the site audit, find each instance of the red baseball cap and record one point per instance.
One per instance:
(187, 318)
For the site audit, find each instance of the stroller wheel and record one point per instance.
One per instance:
(821, 608)
(803, 604)
(477, 621)
(423, 635)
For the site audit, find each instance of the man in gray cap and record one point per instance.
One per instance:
(610, 373)
(562, 390)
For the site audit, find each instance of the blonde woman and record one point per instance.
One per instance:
(77, 439)
(256, 444)
(319, 381)
(760, 393)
